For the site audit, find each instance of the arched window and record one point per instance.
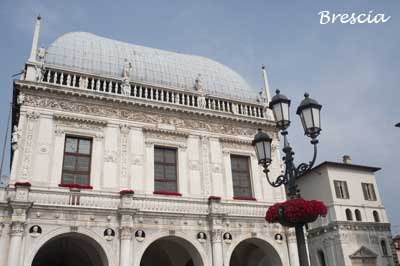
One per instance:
(349, 215)
(384, 248)
(358, 215)
(376, 216)
(321, 258)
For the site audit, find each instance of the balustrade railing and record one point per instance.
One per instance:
(151, 93)
(112, 201)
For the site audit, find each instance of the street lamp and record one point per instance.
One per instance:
(309, 112)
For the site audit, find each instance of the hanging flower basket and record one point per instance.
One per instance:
(22, 184)
(295, 212)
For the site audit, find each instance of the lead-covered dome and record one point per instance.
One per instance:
(98, 55)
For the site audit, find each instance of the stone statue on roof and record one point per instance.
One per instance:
(201, 99)
(126, 71)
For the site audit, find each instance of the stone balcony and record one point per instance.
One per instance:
(92, 200)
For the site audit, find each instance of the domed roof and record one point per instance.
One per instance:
(90, 53)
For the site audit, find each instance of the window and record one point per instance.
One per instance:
(349, 215)
(321, 258)
(241, 176)
(376, 216)
(384, 248)
(369, 191)
(358, 215)
(77, 159)
(165, 170)
(341, 189)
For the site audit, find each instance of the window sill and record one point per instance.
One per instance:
(75, 186)
(245, 198)
(167, 193)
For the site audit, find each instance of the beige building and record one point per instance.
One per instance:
(95, 119)
(356, 230)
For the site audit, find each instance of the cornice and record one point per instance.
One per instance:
(165, 131)
(63, 117)
(348, 226)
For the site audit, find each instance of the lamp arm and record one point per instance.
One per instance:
(282, 179)
(304, 167)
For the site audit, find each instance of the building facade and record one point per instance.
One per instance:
(128, 155)
(356, 230)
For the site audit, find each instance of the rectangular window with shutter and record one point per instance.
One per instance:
(77, 160)
(241, 176)
(341, 189)
(165, 169)
(368, 191)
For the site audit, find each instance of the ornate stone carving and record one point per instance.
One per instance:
(124, 154)
(188, 122)
(137, 159)
(216, 235)
(17, 228)
(217, 168)
(205, 161)
(28, 145)
(110, 156)
(194, 165)
(16, 135)
(21, 98)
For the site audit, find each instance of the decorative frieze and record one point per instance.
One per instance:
(28, 145)
(184, 121)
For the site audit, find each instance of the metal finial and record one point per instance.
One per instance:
(277, 91)
(306, 95)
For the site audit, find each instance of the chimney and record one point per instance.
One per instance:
(347, 159)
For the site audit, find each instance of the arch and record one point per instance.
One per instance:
(321, 258)
(190, 244)
(89, 235)
(358, 215)
(376, 217)
(384, 248)
(252, 251)
(349, 215)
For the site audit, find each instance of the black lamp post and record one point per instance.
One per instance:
(309, 112)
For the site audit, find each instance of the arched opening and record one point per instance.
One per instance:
(254, 252)
(71, 249)
(321, 258)
(171, 251)
(349, 215)
(358, 215)
(384, 248)
(376, 216)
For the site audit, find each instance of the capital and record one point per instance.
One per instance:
(125, 233)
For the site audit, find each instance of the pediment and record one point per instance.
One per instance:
(363, 253)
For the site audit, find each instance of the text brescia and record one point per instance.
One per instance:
(327, 17)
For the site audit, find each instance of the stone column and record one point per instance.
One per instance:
(217, 256)
(126, 211)
(17, 230)
(125, 254)
(215, 219)
(292, 246)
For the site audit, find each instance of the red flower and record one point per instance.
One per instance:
(22, 184)
(126, 191)
(167, 193)
(214, 198)
(296, 211)
(244, 198)
(76, 186)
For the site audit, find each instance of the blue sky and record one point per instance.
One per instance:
(353, 70)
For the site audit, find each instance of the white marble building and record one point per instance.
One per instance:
(356, 230)
(93, 117)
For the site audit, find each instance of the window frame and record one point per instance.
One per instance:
(77, 154)
(343, 192)
(165, 180)
(250, 188)
(369, 191)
